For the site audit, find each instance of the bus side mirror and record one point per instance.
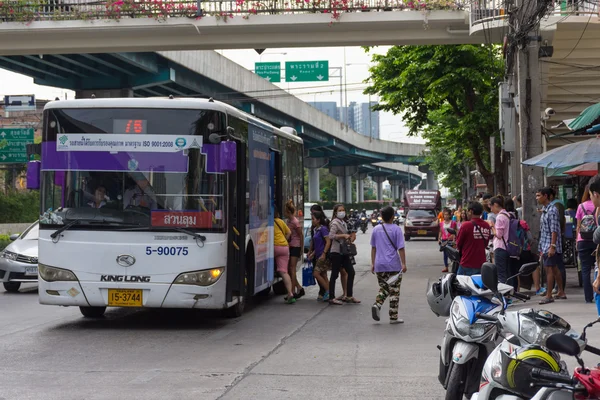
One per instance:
(33, 174)
(228, 156)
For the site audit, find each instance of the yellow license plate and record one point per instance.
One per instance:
(125, 297)
(421, 232)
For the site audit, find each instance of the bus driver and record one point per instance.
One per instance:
(141, 194)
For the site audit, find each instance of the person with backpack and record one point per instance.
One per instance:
(388, 262)
(586, 225)
(501, 231)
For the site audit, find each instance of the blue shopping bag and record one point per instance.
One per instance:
(307, 274)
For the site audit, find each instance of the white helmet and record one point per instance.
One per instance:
(439, 295)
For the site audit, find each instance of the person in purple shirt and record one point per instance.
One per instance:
(388, 262)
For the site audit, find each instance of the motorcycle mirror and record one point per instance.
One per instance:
(528, 269)
(489, 276)
(564, 344)
(451, 231)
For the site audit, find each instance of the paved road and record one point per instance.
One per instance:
(275, 351)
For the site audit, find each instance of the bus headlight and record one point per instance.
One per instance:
(52, 274)
(200, 278)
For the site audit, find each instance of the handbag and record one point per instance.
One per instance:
(308, 278)
(347, 248)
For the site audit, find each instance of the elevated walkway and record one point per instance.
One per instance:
(85, 26)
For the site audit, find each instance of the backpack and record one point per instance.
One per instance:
(588, 225)
(517, 237)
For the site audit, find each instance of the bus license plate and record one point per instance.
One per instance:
(29, 271)
(421, 232)
(125, 297)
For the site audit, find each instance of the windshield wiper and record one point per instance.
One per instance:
(64, 228)
(187, 231)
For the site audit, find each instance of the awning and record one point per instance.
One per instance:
(586, 118)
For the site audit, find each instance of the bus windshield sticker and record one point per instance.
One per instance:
(182, 219)
(127, 143)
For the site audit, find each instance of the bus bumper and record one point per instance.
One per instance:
(156, 295)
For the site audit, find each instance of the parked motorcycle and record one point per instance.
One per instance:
(585, 383)
(507, 370)
(468, 338)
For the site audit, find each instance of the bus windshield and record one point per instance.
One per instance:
(142, 168)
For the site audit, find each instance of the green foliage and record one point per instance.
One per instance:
(19, 207)
(449, 94)
(4, 241)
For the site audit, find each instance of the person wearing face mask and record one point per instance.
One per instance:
(338, 233)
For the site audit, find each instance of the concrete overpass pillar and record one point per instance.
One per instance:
(431, 182)
(103, 93)
(341, 192)
(395, 183)
(360, 187)
(348, 188)
(314, 185)
(344, 182)
(379, 180)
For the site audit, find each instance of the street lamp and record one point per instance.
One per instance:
(260, 57)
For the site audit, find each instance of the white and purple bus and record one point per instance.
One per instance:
(160, 203)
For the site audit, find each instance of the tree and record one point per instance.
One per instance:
(449, 94)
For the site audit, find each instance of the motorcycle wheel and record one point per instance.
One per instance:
(456, 382)
(364, 230)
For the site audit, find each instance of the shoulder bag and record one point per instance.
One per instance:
(347, 248)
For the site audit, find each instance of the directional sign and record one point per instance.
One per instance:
(271, 71)
(19, 103)
(307, 71)
(13, 144)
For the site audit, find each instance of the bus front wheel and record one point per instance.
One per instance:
(279, 288)
(92, 312)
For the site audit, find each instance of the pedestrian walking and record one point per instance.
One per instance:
(295, 247)
(338, 233)
(388, 263)
(320, 253)
(550, 246)
(586, 225)
(281, 237)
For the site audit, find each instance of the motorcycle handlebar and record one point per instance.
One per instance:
(521, 296)
(486, 317)
(592, 349)
(537, 373)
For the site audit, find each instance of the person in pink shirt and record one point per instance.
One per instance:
(445, 236)
(585, 247)
(500, 230)
(295, 247)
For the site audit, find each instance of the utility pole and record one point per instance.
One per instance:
(530, 131)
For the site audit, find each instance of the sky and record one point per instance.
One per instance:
(356, 71)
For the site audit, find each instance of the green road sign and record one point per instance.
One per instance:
(307, 71)
(13, 144)
(270, 71)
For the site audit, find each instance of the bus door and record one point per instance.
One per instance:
(236, 225)
(275, 196)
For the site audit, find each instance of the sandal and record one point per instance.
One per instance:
(351, 300)
(300, 293)
(547, 301)
(336, 302)
(560, 297)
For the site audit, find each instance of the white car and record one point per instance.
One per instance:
(19, 260)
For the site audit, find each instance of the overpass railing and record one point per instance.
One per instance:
(483, 11)
(56, 10)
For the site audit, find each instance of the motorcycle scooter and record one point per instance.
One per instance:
(468, 338)
(363, 224)
(505, 374)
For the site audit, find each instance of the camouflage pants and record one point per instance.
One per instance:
(392, 291)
